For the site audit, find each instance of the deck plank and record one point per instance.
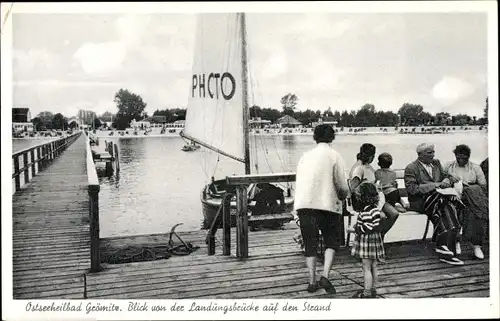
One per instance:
(276, 269)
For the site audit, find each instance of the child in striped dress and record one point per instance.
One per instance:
(368, 244)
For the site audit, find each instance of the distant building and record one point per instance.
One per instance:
(257, 122)
(22, 127)
(21, 115)
(85, 117)
(139, 125)
(288, 121)
(325, 120)
(157, 120)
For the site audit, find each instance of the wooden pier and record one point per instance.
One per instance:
(51, 240)
(276, 268)
(57, 252)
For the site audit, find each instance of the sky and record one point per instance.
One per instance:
(66, 62)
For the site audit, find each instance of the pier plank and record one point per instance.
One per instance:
(276, 269)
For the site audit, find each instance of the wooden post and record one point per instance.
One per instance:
(210, 244)
(241, 222)
(26, 168)
(226, 225)
(33, 169)
(117, 156)
(17, 179)
(45, 155)
(39, 157)
(41, 161)
(109, 164)
(95, 257)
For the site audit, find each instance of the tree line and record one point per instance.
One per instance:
(46, 120)
(366, 116)
(131, 106)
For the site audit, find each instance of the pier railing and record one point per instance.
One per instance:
(28, 162)
(93, 190)
(241, 183)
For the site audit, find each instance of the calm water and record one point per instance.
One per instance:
(23, 143)
(159, 185)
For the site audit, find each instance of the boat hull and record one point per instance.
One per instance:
(210, 206)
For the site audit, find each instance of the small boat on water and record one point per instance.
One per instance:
(190, 147)
(217, 116)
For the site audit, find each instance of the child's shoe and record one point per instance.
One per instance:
(400, 208)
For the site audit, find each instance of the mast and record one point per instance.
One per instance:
(244, 81)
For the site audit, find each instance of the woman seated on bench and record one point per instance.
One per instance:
(424, 179)
(474, 217)
(362, 171)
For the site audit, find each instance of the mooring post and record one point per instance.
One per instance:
(95, 257)
(226, 225)
(117, 159)
(241, 222)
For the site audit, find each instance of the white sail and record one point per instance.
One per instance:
(214, 116)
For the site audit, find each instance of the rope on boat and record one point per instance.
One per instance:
(140, 253)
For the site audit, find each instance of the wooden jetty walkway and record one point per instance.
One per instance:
(56, 245)
(276, 268)
(51, 241)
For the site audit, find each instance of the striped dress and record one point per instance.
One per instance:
(368, 242)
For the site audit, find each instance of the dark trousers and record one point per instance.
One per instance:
(449, 239)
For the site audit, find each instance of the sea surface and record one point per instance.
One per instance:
(159, 185)
(23, 143)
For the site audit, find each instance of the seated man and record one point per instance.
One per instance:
(266, 199)
(422, 177)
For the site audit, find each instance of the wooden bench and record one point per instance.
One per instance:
(404, 198)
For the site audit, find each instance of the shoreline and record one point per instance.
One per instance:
(309, 133)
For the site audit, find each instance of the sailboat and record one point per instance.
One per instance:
(217, 114)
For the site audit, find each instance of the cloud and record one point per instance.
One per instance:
(321, 26)
(130, 28)
(62, 83)
(32, 62)
(275, 65)
(449, 90)
(101, 59)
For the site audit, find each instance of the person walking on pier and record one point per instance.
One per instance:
(321, 187)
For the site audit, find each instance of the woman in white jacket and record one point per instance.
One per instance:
(321, 187)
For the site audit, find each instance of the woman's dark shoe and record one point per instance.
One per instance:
(327, 285)
(313, 287)
(374, 293)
